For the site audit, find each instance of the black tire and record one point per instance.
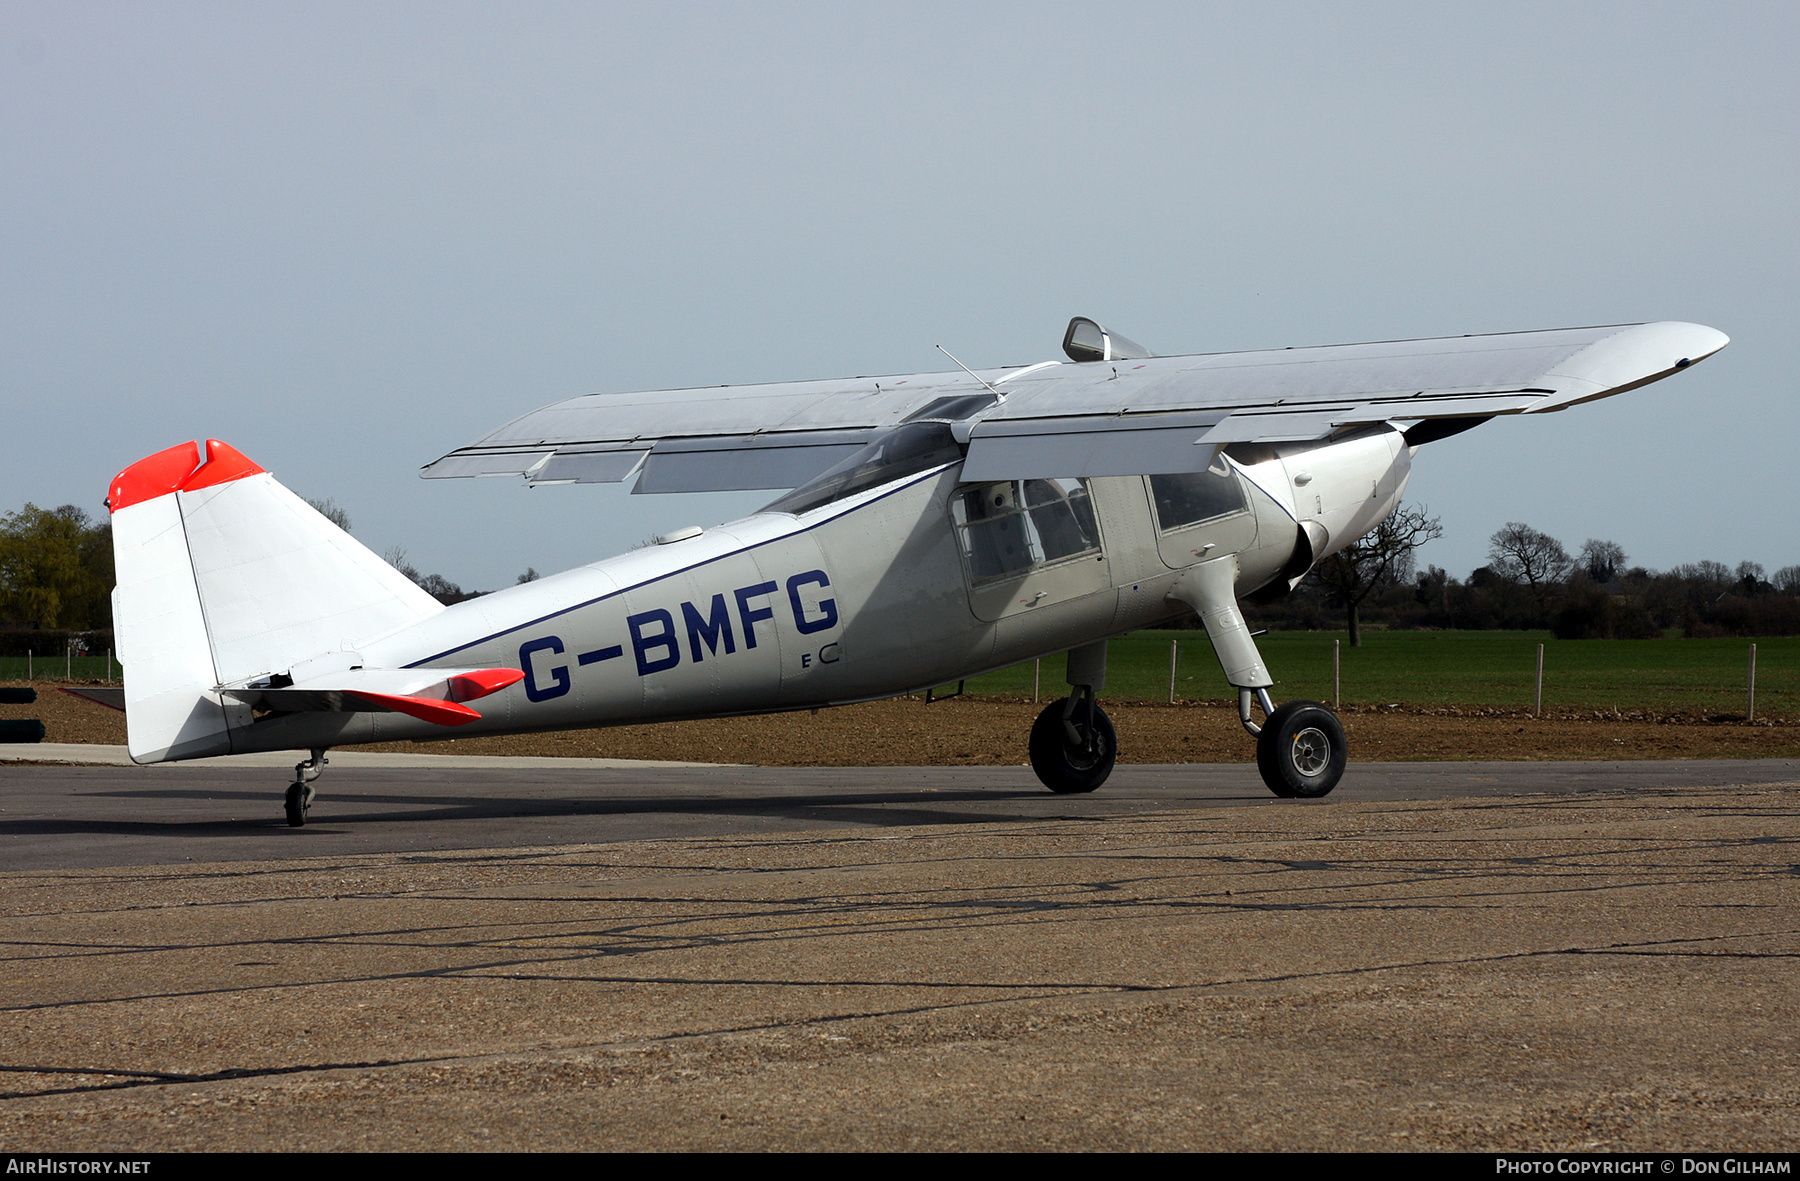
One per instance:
(295, 805)
(1071, 769)
(1301, 751)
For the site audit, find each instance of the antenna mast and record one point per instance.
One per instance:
(940, 348)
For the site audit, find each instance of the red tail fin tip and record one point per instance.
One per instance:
(153, 476)
(224, 464)
(179, 469)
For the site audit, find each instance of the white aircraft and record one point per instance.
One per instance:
(940, 525)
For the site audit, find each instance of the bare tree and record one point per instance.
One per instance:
(1711, 573)
(329, 509)
(1787, 580)
(435, 585)
(1379, 556)
(1750, 580)
(396, 557)
(1523, 554)
(1601, 561)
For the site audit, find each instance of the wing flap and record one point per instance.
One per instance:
(786, 460)
(1149, 445)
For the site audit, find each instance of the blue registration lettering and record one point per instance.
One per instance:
(558, 674)
(714, 630)
(642, 644)
(749, 615)
(828, 615)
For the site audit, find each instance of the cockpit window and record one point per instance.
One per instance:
(903, 451)
(954, 408)
(1192, 497)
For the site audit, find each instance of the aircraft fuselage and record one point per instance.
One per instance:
(911, 584)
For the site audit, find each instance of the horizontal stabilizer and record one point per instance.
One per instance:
(444, 713)
(110, 698)
(430, 694)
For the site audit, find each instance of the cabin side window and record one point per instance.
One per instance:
(1008, 528)
(1191, 497)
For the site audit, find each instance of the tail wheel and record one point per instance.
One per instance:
(1301, 751)
(1066, 763)
(299, 799)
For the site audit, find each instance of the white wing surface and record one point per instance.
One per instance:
(1061, 419)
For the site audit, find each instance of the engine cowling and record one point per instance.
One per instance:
(1332, 492)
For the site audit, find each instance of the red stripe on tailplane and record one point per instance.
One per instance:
(223, 464)
(469, 686)
(426, 709)
(153, 476)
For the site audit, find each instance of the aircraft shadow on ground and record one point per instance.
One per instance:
(352, 808)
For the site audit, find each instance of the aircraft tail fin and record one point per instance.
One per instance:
(224, 575)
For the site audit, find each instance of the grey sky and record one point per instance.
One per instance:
(346, 239)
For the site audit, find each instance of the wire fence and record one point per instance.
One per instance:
(62, 668)
(1715, 677)
(1749, 678)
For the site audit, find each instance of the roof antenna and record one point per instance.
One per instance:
(940, 348)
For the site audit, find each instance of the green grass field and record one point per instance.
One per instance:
(1412, 668)
(55, 668)
(1456, 668)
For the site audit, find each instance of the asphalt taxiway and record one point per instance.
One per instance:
(230, 810)
(1552, 957)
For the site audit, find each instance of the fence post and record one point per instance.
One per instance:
(109, 666)
(1172, 644)
(28, 656)
(1037, 671)
(1750, 710)
(1537, 700)
(1337, 678)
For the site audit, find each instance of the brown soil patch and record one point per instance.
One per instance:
(991, 731)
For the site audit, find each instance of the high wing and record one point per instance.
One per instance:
(1132, 415)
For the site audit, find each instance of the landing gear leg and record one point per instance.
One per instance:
(300, 792)
(1300, 747)
(1073, 746)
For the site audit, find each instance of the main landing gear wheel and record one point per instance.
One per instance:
(1073, 747)
(1301, 751)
